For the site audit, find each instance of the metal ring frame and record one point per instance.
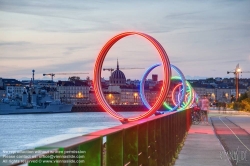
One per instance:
(190, 99)
(97, 75)
(142, 83)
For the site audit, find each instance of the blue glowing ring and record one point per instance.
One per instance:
(142, 93)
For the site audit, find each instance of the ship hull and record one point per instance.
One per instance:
(6, 109)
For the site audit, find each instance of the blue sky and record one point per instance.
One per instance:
(202, 38)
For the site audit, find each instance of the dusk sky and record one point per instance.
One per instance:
(202, 38)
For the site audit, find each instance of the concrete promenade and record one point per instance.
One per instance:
(202, 146)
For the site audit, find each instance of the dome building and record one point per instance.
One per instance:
(117, 77)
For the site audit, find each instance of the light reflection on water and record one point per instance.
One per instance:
(26, 131)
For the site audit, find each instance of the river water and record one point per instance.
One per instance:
(26, 131)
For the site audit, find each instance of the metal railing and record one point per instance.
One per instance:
(152, 141)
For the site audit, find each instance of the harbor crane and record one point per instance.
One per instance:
(53, 74)
(112, 69)
(236, 72)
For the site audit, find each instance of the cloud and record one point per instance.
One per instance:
(27, 57)
(69, 67)
(20, 43)
(62, 35)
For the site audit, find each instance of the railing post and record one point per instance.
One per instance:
(168, 141)
(163, 142)
(143, 144)
(93, 155)
(158, 142)
(114, 149)
(130, 146)
(151, 143)
(172, 136)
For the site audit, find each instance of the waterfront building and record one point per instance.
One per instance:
(10, 88)
(15, 91)
(130, 95)
(92, 97)
(2, 93)
(74, 92)
(40, 83)
(126, 92)
(218, 90)
(113, 98)
(4, 82)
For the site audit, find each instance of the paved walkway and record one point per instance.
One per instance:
(202, 147)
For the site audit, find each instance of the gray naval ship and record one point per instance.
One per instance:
(33, 101)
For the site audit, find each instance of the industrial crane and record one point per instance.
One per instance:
(112, 69)
(53, 74)
(236, 72)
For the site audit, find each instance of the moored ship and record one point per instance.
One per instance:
(33, 101)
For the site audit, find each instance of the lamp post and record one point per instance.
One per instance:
(216, 94)
(110, 98)
(237, 71)
(135, 98)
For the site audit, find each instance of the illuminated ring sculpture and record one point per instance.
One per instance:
(177, 86)
(190, 99)
(196, 99)
(189, 92)
(193, 98)
(173, 94)
(97, 76)
(142, 83)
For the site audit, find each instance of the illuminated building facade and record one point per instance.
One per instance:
(75, 92)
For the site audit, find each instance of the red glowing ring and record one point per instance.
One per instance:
(97, 75)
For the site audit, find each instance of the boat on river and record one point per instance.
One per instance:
(33, 101)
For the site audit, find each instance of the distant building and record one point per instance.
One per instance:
(14, 91)
(2, 93)
(75, 92)
(92, 97)
(126, 92)
(4, 82)
(10, 88)
(39, 83)
(117, 77)
(219, 89)
(218, 79)
(112, 97)
(154, 77)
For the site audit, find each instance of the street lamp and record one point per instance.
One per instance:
(135, 98)
(236, 73)
(216, 94)
(110, 98)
